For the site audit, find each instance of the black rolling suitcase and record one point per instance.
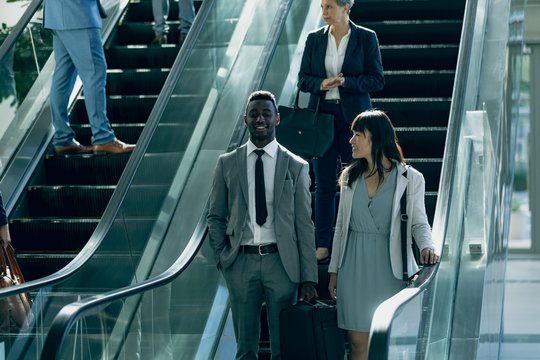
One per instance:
(309, 331)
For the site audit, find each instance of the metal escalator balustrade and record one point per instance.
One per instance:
(455, 312)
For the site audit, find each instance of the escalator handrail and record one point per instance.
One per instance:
(130, 169)
(18, 29)
(379, 339)
(71, 313)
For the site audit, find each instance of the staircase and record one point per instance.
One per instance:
(67, 194)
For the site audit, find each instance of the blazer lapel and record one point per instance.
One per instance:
(351, 46)
(282, 163)
(241, 163)
(401, 186)
(321, 50)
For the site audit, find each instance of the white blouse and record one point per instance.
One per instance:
(333, 61)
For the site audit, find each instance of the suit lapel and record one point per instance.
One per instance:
(401, 186)
(351, 46)
(322, 44)
(241, 163)
(282, 163)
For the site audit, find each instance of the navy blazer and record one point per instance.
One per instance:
(3, 215)
(362, 69)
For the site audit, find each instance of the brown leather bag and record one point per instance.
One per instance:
(15, 312)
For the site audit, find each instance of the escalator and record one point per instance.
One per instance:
(67, 194)
(189, 317)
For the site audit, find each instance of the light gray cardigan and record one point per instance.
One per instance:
(417, 225)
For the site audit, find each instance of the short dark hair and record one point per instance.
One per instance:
(262, 95)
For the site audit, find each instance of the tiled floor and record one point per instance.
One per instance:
(521, 338)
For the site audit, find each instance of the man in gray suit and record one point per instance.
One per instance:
(263, 240)
(78, 49)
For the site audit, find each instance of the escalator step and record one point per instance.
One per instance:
(416, 83)
(141, 11)
(416, 112)
(141, 33)
(37, 266)
(422, 142)
(141, 56)
(135, 81)
(128, 109)
(68, 200)
(128, 133)
(407, 10)
(51, 235)
(419, 57)
(88, 169)
(416, 32)
(430, 168)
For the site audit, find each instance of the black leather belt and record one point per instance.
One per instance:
(259, 249)
(333, 101)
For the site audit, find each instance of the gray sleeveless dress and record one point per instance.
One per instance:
(365, 278)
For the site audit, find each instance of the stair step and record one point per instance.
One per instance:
(141, 11)
(419, 57)
(141, 56)
(87, 169)
(416, 31)
(68, 200)
(407, 10)
(121, 109)
(415, 112)
(48, 235)
(430, 168)
(422, 142)
(135, 81)
(417, 83)
(128, 133)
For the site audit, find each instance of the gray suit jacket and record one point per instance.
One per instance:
(228, 213)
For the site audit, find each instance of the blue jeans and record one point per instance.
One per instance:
(160, 9)
(326, 170)
(79, 51)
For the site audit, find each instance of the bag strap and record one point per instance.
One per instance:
(404, 219)
(298, 95)
(3, 260)
(13, 265)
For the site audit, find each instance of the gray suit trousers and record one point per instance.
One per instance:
(252, 279)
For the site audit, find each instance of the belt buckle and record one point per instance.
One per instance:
(260, 252)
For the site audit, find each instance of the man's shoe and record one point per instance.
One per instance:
(113, 147)
(159, 39)
(74, 148)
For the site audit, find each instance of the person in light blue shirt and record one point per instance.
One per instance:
(78, 50)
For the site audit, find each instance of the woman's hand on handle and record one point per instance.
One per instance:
(428, 257)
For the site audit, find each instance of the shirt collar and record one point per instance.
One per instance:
(345, 36)
(270, 149)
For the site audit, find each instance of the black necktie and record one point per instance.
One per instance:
(260, 197)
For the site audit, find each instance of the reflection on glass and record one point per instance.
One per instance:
(19, 70)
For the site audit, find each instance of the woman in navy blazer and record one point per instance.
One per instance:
(341, 65)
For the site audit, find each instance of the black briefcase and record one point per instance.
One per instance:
(309, 331)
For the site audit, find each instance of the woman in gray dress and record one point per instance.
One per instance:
(366, 251)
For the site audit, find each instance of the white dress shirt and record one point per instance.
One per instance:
(333, 61)
(254, 234)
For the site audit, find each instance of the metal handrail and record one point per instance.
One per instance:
(18, 29)
(379, 339)
(129, 171)
(73, 312)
